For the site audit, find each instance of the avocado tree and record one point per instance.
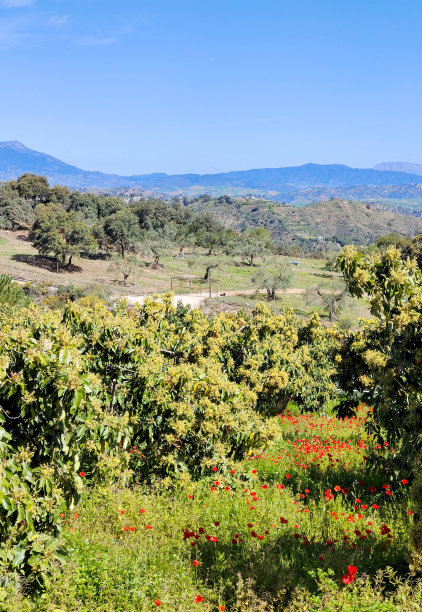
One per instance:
(381, 363)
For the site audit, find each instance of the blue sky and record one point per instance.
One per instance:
(139, 86)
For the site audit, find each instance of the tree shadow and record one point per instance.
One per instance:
(45, 263)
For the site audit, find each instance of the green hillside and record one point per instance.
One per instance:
(339, 220)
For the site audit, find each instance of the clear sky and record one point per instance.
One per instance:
(136, 86)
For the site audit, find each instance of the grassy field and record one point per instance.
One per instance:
(21, 261)
(279, 534)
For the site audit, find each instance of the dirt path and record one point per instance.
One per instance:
(195, 299)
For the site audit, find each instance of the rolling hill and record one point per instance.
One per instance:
(336, 220)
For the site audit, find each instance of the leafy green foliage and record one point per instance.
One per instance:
(60, 233)
(382, 362)
(11, 294)
(272, 281)
(251, 244)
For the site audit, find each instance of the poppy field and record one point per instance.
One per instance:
(290, 529)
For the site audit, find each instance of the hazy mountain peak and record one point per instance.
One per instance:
(400, 167)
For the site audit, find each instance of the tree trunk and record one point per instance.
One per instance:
(69, 263)
(208, 270)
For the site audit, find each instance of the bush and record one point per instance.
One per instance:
(79, 391)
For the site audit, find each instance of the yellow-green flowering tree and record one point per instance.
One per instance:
(381, 364)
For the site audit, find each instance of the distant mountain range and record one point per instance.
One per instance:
(297, 184)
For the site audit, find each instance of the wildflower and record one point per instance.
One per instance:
(132, 528)
(195, 562)
(254, 472)
(157, 602)
(404, 481)
(122, 511)
(142, 511)
(82, 474)
(126, 528)
(222, 608)
(214, 469)
(375, 506)
(198, 599)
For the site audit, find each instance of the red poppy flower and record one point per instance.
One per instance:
(142, 511)
(198, 599)
(375, 506)
(348, 578)
(254, 472)
(214, 469)
(195, 562)
(216, 523)
(157, 602)
(232, 472)
(222, 608)
(132, 528)
(81, 474)
(122, 511)
(404, 481)
(126, 528)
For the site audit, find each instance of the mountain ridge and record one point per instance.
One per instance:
(16, 159)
